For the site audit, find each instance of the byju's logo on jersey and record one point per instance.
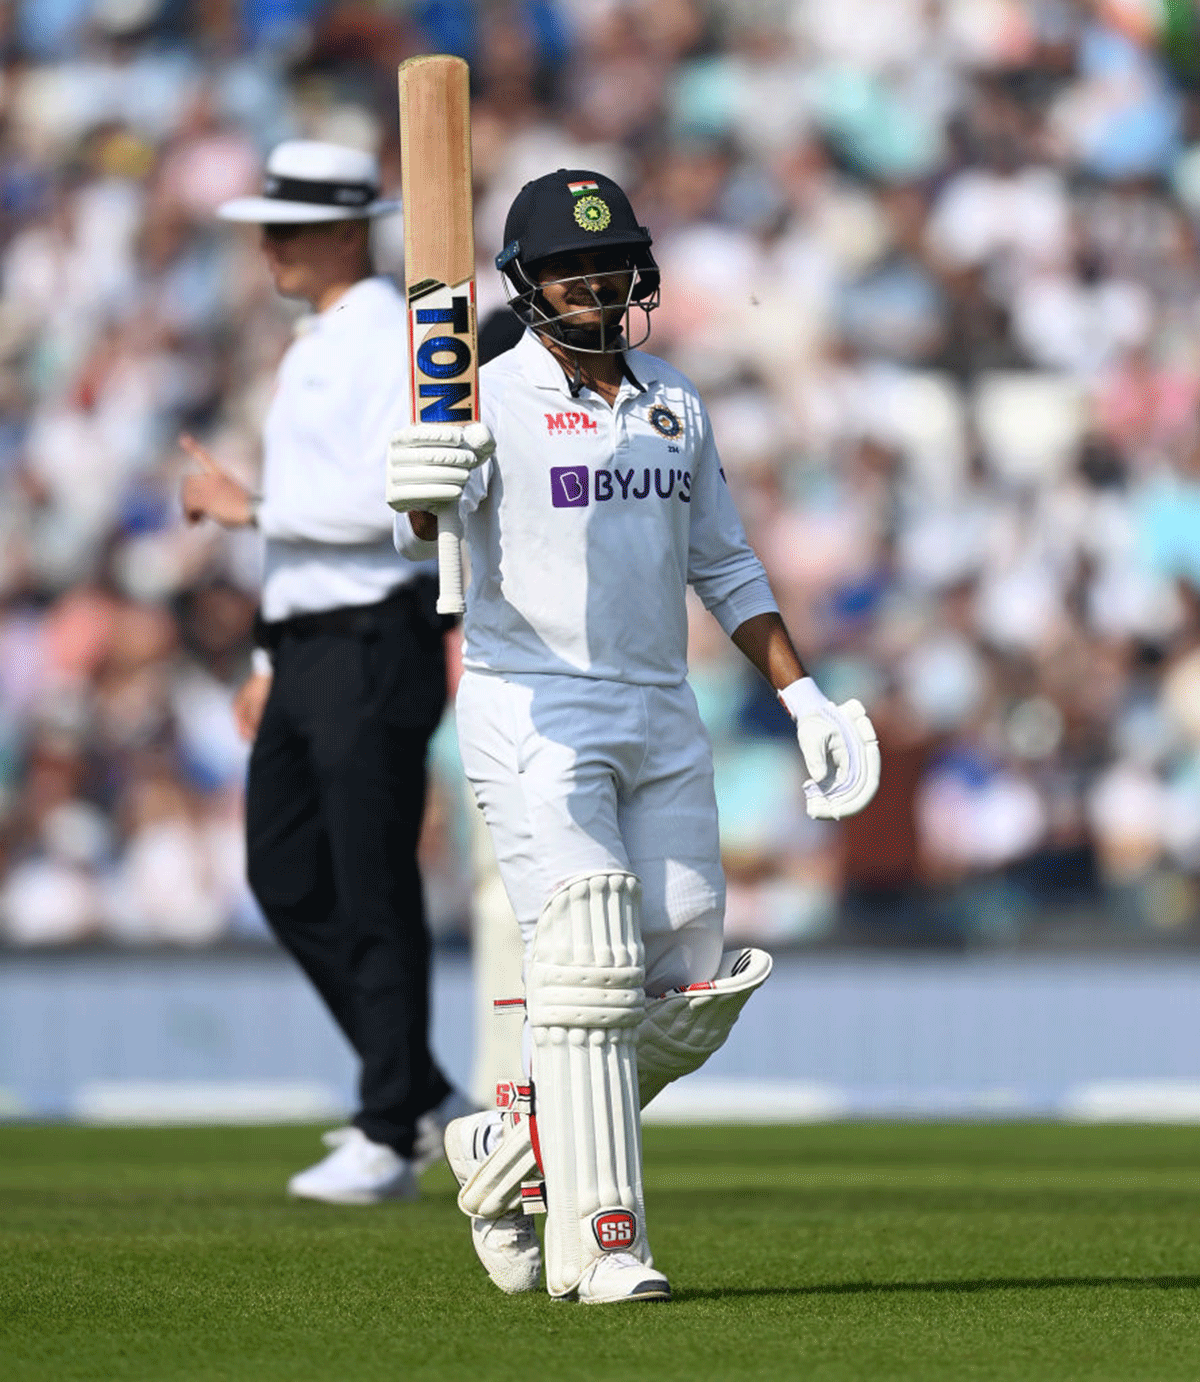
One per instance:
(569, 424)
(615, 1230)
(569, 486)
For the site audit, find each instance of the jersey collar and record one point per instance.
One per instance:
(544, 372)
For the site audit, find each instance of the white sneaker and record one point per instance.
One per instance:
(507, 1246)
(429, 1143)
(357, 1171)
(619, 1276)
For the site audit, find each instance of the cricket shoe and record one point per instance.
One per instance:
(429, 1142)
(357, 1171)
(508, 1245)
(619, 1276)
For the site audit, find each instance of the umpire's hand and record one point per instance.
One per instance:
(249, 702)
(212, 492)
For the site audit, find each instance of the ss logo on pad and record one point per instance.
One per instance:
(615, 1229)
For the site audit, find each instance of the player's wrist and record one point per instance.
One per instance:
(803, 697)
(424, 524)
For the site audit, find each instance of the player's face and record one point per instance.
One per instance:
(589, 288)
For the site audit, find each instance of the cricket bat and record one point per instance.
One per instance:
(439, 267)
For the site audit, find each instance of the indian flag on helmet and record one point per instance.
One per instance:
(577, 189)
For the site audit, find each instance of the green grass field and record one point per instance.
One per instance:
(873, 1251)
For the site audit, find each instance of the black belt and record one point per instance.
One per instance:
(358, 621)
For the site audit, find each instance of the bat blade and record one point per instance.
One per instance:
(439, 265)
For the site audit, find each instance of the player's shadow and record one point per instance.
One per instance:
(999, 1283)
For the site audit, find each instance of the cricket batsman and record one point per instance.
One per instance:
(592, 495)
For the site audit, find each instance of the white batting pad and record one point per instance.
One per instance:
(584, 1001)
(677, 1034)
(684, 1027)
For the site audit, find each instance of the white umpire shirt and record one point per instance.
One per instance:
(586, 526)
(342, 389)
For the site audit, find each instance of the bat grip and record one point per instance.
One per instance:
(450, 574)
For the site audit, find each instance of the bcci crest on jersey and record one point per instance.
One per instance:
(666, 422)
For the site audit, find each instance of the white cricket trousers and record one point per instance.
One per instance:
(576, 775)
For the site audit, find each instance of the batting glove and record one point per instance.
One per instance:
(428, 463)
(840, 749)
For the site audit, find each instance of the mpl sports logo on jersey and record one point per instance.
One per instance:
(569, 424)
(615, 1230)
(575, 486)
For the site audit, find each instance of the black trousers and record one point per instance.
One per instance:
(333, 812)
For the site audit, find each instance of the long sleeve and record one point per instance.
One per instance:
(722, 566)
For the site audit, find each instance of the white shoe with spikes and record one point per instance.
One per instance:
(507, 1245)
(357, 1171)
(620, 1276)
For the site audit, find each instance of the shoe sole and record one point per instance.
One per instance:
(650, 1291)
(503, 1277)
(353, 1197)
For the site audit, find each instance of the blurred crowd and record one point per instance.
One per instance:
(935, 266)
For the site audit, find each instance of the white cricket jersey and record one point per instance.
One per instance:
(589, 522)
(342, 389)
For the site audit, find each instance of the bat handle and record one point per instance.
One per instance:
(450, 573)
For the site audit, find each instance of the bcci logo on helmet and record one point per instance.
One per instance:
(615, 1230)
(592, 213)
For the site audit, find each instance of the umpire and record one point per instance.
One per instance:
(349, 679)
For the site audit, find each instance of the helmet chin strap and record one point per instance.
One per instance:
(576, 382)
(579, 340)
(587, 338)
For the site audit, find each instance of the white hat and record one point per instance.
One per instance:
(308, 181)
